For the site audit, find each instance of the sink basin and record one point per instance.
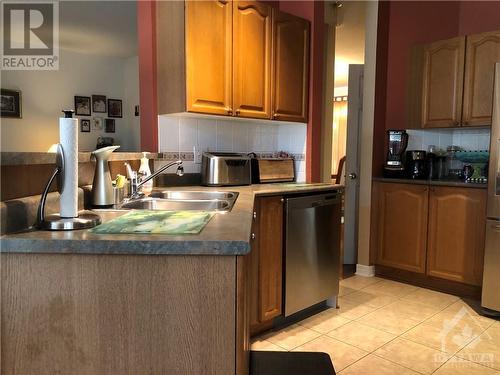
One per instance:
(177, 205)
(194, 195)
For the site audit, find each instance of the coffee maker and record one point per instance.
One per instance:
(397, 142)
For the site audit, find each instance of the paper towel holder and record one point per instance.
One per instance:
(84, 220)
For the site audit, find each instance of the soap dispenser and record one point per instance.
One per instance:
(102, 187)
(145, 171)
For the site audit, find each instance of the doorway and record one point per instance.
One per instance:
(347, 107)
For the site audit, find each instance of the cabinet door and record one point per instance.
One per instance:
(290, 68)
(402, 226)
(443, 83)
(457, 222)
(208, 56)
(252, 27)
(270, 257)
(482, 52)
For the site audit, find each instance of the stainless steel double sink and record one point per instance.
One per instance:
(177, 200)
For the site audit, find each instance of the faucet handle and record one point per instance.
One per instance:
(131, 174)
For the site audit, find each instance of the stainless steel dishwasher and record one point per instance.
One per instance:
(312, 250)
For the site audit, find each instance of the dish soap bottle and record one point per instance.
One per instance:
(144, 171)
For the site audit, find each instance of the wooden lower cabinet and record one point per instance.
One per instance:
(431, 232)
(401, 222)
(456, 235)
(265, 261)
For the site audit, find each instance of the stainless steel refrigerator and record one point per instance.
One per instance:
(491, 277)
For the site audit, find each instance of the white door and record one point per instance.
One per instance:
(354, 115)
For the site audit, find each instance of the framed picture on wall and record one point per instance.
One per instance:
(97, 123)
(85, 126)
(115, 108)
(10, 103)
(82, 106)
(110, 125)
(99, 103)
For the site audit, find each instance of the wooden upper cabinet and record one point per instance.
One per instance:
(209, 56)
(457, 222)
(482, 52)
(443, 71)
(252, 42)
(291, 68)
(402, 213)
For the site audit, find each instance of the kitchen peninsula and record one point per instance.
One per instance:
(101, 304)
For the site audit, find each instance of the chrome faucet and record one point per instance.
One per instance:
(136, 183)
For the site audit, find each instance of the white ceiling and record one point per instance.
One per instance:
(106, 28)
(349, 39)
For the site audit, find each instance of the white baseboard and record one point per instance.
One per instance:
(367, 271)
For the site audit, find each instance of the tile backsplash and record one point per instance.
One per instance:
(468, 139)
(181, 133)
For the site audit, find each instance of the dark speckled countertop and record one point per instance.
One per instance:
(226, 234)
(451, 183)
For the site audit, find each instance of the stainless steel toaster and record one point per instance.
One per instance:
(225, 169)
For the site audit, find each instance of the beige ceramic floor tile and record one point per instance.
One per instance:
(415, 356)
(325, 321)
(373, 365)
(431, 298)
(344, 291)
(342, 354)
(291, 337)
(416, 311)
(462, 319)
(389, 321)
(353, 311)
(446, 340)
(370, 299)
(459, 366)
(391, 288)
(485, 349)
(359, 282)
(362, 336)
(265, 345)
(471, 308)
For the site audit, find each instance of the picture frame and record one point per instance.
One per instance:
(97, 123)
(85, 125)
(10, 103)
(99, 104)
(115, 108)
(109, 126)
(82, 106)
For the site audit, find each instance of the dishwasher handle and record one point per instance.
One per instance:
(313, 201)
(328, 200)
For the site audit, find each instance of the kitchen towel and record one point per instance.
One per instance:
(68, 137)
(156, 222)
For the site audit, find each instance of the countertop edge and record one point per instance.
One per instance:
(25, 243)
(431, 182)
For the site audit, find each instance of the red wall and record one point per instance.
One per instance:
(403, 24)
(146, 33)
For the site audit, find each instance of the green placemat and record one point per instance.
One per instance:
(159, 222)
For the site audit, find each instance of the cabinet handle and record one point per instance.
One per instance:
(229, 110)
(282, 200)
(252, 236)
(237, 112)
(255, 215)
(276, 115)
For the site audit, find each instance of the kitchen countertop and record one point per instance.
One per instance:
(450, 183)
(226, 234)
